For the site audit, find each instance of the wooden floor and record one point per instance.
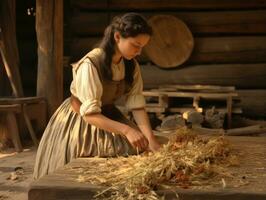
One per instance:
(61, 185)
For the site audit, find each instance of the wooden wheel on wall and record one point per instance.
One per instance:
(171, 43)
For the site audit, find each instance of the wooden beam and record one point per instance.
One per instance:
(249, 130)
(22, 100)
(214, 74)
(238, 49)
(200, 22)
(49, 29)
(168, 4)
(199, 88)
(245, 49)
(95, 22)
(253, 102)
(13, 131)
(90, 4)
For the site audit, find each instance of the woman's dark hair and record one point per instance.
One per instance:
(128, 25)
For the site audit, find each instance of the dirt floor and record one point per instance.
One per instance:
(16, 173)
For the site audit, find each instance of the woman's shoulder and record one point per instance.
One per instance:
(91, 57)
(95, 52)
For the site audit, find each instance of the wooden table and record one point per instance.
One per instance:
(163, 97)
(61, 185)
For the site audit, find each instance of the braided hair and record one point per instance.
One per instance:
(128, 25)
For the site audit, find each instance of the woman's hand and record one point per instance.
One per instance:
(154, 145)
(136, 138)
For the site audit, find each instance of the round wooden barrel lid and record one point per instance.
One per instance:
(171, 43)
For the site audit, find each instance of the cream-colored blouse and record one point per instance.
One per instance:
(86, 85)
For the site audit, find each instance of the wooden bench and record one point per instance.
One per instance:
(13, 106)
(12, 127)
(196, 93)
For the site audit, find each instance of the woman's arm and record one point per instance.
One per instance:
(136, 138)
(143, 123)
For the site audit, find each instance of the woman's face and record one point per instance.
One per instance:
(132, 46)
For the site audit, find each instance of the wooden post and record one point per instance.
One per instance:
(229, 111)
(13, 131)
(49, 29)
(8, 45)
(196, 100)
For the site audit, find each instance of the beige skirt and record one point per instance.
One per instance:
(67, 136)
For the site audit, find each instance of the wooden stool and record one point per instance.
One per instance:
(12, 106)
(12, 127)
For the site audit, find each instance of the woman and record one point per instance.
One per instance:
(88, 123)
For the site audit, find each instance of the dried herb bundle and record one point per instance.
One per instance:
(185, 161)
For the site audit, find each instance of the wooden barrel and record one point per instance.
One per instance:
(171, 43)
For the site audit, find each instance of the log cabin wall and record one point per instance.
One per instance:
(230, 43)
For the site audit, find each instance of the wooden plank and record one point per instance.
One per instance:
(190, 94)
(169, 4)
(49, 29)
(214, 74)
(80, 46)
(21, 100)
(224, 22)
(13, 130)
(95, 22)
(63, 183)
(253, 102)
(200, 23)
(239, 49)
(246, 49)
(205, 88)
(90, 4)
(10, 108)
(249, 130)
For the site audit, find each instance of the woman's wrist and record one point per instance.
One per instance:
(124, 129)
(151, 136)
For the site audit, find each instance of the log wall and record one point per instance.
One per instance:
(230, 41)
(230, 37)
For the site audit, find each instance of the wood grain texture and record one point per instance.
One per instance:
(237, 49)
(171, 43)
(239, 75)
(63, 183)
(168, 4)
(49, 29)
(85, 23)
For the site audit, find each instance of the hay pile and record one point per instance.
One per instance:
(185, 161)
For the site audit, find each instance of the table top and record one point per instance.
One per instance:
(63, 184)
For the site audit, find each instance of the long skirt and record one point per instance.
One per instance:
(67, 136)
